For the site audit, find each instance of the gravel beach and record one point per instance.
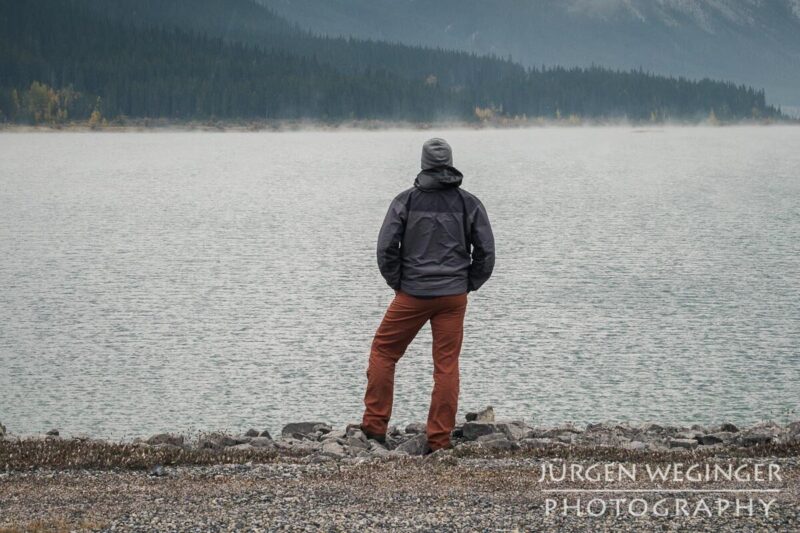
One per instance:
(490, 494)
(528, 483)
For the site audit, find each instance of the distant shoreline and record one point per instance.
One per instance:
(153, 125)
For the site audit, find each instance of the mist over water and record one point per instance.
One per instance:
(177, 281)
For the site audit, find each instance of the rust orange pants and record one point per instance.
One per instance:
(404, 318)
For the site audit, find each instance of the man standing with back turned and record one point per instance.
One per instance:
(435, 245)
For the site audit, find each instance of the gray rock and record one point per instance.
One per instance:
(262, 442)
(356, 433)
(266, 434)
(215, 441)
(2, 431)
(377, 450)
(241, 447)
(755, 437)
(392, 442)
(515, 430)
(473, 430)
(304, 430)
(635, 445)
(602, 436)
(536, 443)
(725, 436)
(351, 428)
(332, 448)
(336, 434)
(709, 439)
(566, 438)
(157, 471)
(251, 433)
(487, 415)
(416, 427)
(497, 442)
(416, 445)
(161, 438)
(397, 453)
(538, 433)
(358, 440)
(356, 437)
(730, 428)
(626, 430)
(569, 427)
(689, 434)
(491, 437)
(298, 446)
(689, 444)
(320, 458)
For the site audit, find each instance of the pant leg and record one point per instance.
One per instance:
(447, 324)
(403, 320)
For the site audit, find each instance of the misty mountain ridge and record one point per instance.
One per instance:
(755, 42)
(706, 14)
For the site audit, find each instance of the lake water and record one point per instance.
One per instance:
(180, 281)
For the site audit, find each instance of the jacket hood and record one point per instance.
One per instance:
(436, 153)
(441, 177)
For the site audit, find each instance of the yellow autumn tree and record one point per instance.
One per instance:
(40, 102)
(96, 119)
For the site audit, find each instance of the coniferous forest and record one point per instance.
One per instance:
(97, 60)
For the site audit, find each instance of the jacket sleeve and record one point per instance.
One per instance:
(389, 239)
(482, 249)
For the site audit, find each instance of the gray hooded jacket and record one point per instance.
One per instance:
(436, 239)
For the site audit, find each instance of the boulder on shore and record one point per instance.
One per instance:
(304, 430)
(487, 415)
(416, 445)
(216, 441)
(416, 427)
(164, 438)
(473, 430)
(262, 442)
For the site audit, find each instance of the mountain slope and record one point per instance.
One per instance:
(756, 42)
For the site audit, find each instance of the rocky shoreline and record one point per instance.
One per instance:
(480, 433)
(315, 476)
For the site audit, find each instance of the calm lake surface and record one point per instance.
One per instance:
(203, 281)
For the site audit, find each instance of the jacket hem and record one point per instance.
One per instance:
(434, 294)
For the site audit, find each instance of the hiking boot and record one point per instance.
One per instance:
(430, 450)
(380, 439)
